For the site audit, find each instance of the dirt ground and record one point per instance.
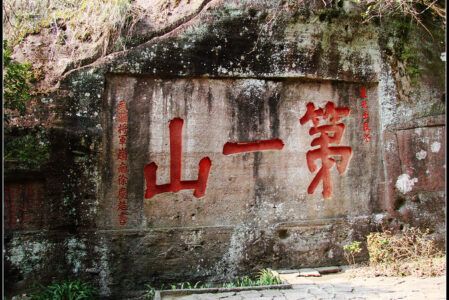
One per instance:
(351, 283)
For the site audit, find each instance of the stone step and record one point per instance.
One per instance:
(308, 273)
(328, 270)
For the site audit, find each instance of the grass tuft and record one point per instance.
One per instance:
(97, 22)
(67, 290)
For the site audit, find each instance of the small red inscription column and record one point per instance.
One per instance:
(365, 116)
(122, 162)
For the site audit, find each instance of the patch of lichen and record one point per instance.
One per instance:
(437, 108)
(26, 148)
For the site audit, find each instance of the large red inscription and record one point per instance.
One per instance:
(240, 147)
(176, 184)
(326, 124)
(330, 133)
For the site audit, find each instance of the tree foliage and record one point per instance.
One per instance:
(16, 79)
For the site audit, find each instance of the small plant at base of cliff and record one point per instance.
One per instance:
(264, 277)
(409, 252)
(67, 290)
(16, 80)
(350, 250)
(267, 277)
(150, 292)
(186, 286)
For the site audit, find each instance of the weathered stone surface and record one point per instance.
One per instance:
(236, 72)
(415, 164)
(216, 112)
(292, 271)
(421, 151)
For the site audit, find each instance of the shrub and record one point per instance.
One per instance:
(16, 80)
(30, 150)
(411, 243)
(350, 250)
(409, 252)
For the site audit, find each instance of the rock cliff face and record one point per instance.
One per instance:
(246, 88)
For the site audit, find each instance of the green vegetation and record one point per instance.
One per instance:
(350, 250)
(408, 252)
(399, 43)
(413, 52)
(411, 61)
(267, 277)
(189, 286)
(16, 80)
(264, 277)
(150, 292)
(401, 36)
(29, 151)
(67, 290)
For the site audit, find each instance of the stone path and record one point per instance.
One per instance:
(341, 286)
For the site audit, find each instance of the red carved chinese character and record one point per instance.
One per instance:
(122, 193)
(312, 114)
(122, 117)
(329, 134)
(232, 148)
(366, 126)
(123, 218)
(122, 205)
(367, 137)
(122, 179)
(123, 168)
(122, 139)
(176, 184)
(364, 104)
(121, 106)
(363, 92)
(122, 154)
(365, 115)
(122, 128)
